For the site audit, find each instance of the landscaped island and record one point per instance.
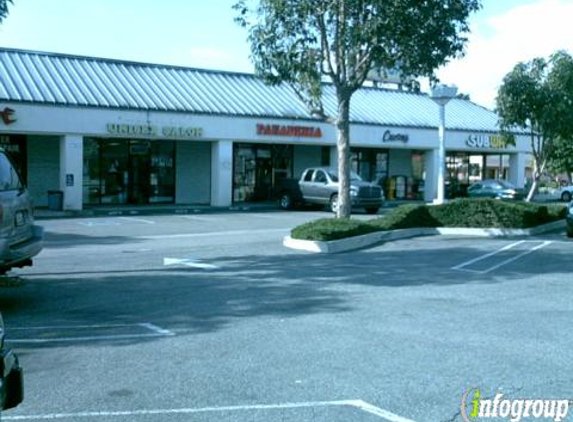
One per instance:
(475, 213)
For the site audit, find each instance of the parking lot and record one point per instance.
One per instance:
(208, 317)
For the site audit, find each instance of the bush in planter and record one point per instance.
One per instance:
(331, 229)
(406, 217)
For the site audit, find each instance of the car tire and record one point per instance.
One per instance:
(285, 201)
(333, 204)
(371, 210)
(566, 196)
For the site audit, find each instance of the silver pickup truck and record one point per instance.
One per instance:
(320, 186)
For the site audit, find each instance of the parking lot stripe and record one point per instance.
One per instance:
(358, 404)
(138, 220)
(482, 257)
(157, 329)
(83, 338)
(213, 233)
(462, 266)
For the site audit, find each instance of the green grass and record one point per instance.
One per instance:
(476, 213)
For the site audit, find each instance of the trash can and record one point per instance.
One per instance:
(55, 200)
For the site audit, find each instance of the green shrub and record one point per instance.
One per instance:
(478, 213)
(406, 217)
(331, 229)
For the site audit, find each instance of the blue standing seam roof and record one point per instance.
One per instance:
(60, 79)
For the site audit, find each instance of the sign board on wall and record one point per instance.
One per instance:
(487, 141)
(145, 130)
(292, 131)
(395, 137)
(7, 116)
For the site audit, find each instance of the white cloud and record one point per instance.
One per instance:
(500, 42)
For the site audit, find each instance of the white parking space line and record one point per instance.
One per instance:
(357, 404)
(99, 223)
(197, 218)
(210, 234)
(153, 331)
(463, 266)
(138, 220)
(156, 329)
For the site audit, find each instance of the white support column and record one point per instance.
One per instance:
(221, 173)
(71, 171)
(431, 166)
(334, 157)
(517, 163)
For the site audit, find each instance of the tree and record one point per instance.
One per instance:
(300, 42)
(4, 9)
(537, 96)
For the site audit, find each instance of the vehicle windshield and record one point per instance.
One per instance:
(354, 177)
(506, 184)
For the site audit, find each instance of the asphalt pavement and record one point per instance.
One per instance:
(209, 318)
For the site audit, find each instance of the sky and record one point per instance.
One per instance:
(202, 34)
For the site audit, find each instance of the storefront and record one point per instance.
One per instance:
(134, 172)
(187, 137)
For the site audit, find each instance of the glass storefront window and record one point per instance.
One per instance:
(15, 147)
(258, 168)
(370, 163)
(118, 171)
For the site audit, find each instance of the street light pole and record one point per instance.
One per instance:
(442, 94)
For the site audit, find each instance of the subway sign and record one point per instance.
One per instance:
(487, 141)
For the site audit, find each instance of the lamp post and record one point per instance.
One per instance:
(442, 94)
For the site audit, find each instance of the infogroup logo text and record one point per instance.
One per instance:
(475, 408)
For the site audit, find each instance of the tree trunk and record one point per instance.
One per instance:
(343, 146)
(537, 172)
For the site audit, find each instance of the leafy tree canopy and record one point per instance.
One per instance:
(301, 41)
(4, 9)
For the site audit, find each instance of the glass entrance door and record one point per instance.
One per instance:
(134, 172)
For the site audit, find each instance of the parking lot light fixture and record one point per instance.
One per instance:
(442, 94)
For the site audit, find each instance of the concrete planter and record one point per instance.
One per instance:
(366, 240)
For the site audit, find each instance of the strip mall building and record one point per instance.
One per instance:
(113, 132)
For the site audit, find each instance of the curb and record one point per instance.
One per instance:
(366, 240)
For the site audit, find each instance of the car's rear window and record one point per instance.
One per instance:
(9, 179)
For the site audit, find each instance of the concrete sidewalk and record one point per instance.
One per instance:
(41, 213)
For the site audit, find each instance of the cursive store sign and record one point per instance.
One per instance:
(394, 137)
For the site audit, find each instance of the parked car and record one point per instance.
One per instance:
(320, 186)
(498, 189)
(11, 377)
(570, 219)
(20, 238)
(566, 193)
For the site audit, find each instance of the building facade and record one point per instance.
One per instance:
(109, 132)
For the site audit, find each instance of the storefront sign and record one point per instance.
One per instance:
(173, 132)
(7, 144)
(6, 116)
(294, 131)
(394, 137)
(487, 141)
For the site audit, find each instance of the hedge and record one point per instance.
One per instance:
(477, 213)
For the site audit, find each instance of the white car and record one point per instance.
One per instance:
(566, 193)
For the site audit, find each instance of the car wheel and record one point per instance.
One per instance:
(371, 210)
(285, 201)
(334, 203)
(566, 196)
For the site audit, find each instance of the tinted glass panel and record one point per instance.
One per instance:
(9, 179)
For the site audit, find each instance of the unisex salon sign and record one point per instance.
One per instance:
(175, 132)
